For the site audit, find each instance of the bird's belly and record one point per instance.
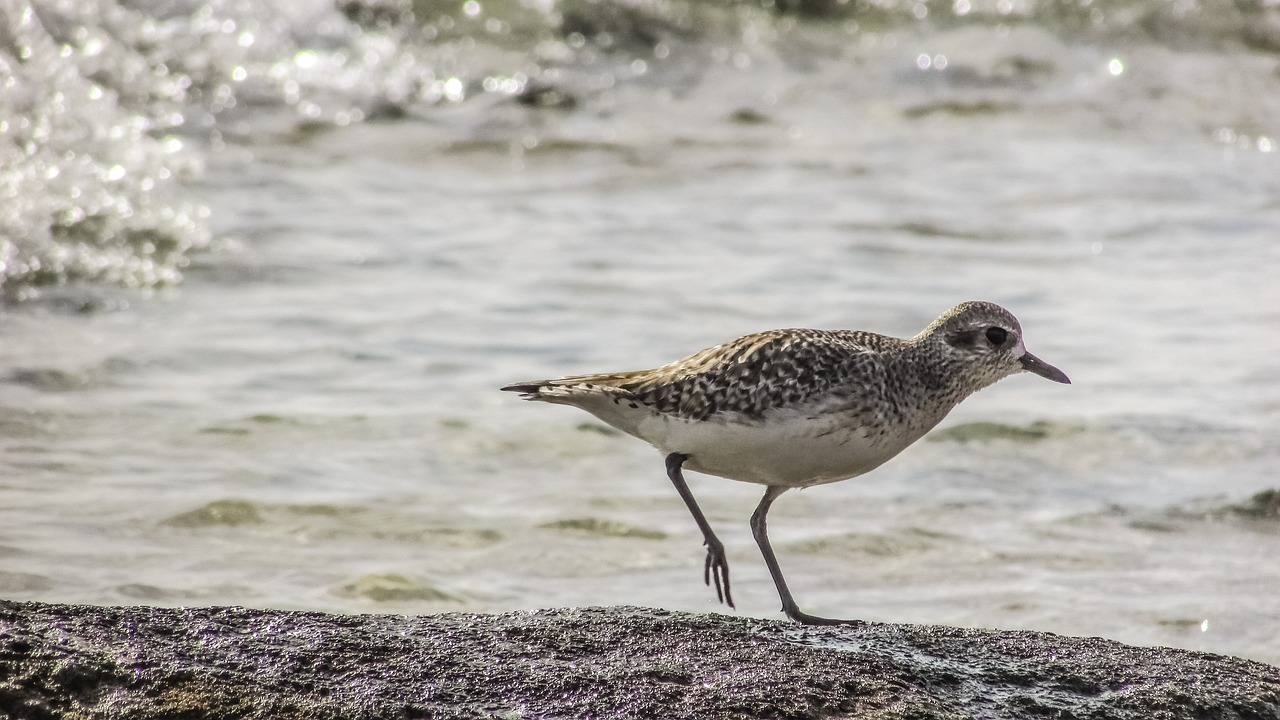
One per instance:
(795, 451)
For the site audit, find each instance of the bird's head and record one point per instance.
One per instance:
(983, 342)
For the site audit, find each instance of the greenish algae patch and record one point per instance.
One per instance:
(244, 425)
(270, 419)
(748, 116)
(983, 431)
(52, 380)
(906, 542)
(603, 528)
(1264, 505)
(223, 430)
(392, 587)
(327, 521)
(957, 108)
(599, 429)
(465, 537)
(267, 424)
(230, 512)
(1182, 623)
(323, 510)
(409, 530)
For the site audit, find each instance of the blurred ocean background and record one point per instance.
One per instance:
(265, 264)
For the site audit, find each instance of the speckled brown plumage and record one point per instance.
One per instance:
(868, 375)
(747, 376)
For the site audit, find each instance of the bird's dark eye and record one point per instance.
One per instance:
(997, 335)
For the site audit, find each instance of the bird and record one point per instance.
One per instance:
(796, 408)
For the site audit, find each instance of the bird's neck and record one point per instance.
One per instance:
(938, 384)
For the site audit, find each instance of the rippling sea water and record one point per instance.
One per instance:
(266, 266)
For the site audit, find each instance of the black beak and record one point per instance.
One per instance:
(1034, 364)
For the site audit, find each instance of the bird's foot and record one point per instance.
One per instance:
(805, 618)
(717, 569)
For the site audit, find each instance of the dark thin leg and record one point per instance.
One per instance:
(717, 566)
(761, 532)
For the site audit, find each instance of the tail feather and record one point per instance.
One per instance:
(530, 390)
(563, 390)
(527, 387)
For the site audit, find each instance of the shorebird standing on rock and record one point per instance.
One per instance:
(794, 408)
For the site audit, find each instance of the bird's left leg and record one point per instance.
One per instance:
(717, 566)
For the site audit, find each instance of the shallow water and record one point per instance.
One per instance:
(310, 418)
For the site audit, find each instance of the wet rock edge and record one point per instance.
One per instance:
(617, 662)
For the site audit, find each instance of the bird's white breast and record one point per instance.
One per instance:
(787, 448)
(795, 447)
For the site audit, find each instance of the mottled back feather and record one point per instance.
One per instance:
(747, 376)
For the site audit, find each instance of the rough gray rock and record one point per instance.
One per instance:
(59, 661)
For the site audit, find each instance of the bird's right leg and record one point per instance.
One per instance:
(717, 566)
(760, 529)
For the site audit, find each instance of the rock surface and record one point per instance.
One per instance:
(59, 661)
